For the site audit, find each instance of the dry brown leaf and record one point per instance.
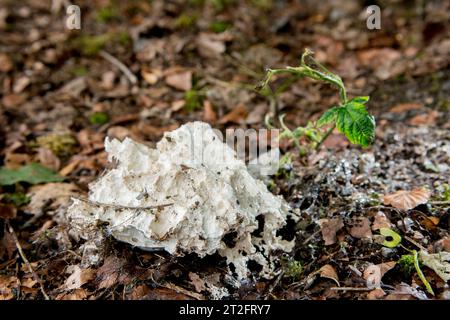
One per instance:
(7, 211)
(328, 271)
(237, 115)
(108, 274)
(13, 100)
(386, 266)
(50, 195)
(8, 284)
(329, 228)
(5, 63)
(151, 77)
(381, 221)
(48, 159)
(403, 107)
(372, 275)
(180, 80)
(197, 282)
(78, 277)
(361, 228)
(209, 114)
(406, 200)
(77, 294)
(138, 292)
(15, 160)
(209, 45)
(376, 294)
(425, 119)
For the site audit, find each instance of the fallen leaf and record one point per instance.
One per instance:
(48, 159)
(361, 228)
(406, 200)
(78, 277)
(6, 64)
(403, 107)
(439, 262)
(329, 228)
(376, 294)
(7, 211)
(372, 275)
(209, 114)
(381, 221)
(151, 77)
(180, 80)
(108, 274)
(13, 100)
(197, 282)
(8, 285)
(77, 294)
(21, 84)
(139, 292)
(29, 282)
(328, 271)
(426, 119)
(210, 46)
(237, 115)
(386, 266)
(50, 196)
(33, 173)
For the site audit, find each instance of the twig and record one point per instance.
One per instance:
(121, 206)
(120, 65)
(350, 289)
(24, 258)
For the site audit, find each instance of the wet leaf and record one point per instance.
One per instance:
(406, 200)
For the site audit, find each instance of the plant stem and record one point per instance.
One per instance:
(327, 134)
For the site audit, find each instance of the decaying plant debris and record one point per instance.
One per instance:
(189, 195)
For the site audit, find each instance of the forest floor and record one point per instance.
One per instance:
(62, 94)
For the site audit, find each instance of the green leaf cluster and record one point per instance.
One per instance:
(352, 120)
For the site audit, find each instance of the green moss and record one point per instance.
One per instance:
(406, 263)
(292, 268)
(98, 118)
(193, 100)
(79, 71)
(60, 144)
(18, 199)
(91, 45)
(107, 14)
(185, 21)
(219, 26)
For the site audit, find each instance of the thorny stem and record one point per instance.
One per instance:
(304, 70)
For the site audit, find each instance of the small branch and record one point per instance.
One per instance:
(121, 206)
(133, 79)
(24, 258)
(350, 289)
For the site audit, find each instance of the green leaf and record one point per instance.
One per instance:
(33, 173)
(360, 100)
(356, 123)
(327, 117)
(396, 238)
